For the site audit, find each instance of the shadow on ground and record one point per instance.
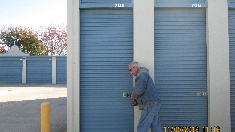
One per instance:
(25, 116)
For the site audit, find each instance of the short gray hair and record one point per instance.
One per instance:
(134, 63)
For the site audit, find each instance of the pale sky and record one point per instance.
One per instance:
(33, 13)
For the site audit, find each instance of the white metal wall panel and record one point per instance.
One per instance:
(106, 48)
(231, 22)
(181, 66)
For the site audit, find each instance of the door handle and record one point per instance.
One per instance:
(202, 94)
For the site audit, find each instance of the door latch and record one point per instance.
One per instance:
(202, 94)
(126, 95)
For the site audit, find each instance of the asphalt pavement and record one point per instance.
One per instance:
(20, 107)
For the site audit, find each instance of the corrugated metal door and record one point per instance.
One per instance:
(181, 66)
(231, 3)
(39, 69)
(61, 70)
(10, 70)
(106, 48)
(231, 22)
(105, 3)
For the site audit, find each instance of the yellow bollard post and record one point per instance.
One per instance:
(45, 117)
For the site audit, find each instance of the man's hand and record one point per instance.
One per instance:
(134, 102)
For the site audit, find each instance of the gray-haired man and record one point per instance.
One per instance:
(148, 99)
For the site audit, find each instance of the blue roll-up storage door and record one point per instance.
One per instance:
(181, 3)
(39, 69)
(106, 48)
(10, 70)
(231, 4)
(105, 3)
(61, 70)
(231, 22)
(181, 66)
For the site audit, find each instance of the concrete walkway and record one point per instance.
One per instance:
(20, 107)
